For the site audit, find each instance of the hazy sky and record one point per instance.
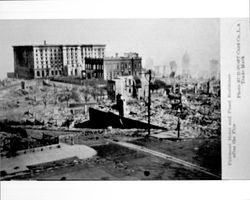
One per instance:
(162, 40)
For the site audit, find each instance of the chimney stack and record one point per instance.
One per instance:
(44, 42)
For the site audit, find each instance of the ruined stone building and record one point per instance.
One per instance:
(39, 61)
(123, 85)
(129, 64)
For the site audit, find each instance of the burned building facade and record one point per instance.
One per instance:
(93, 68)
(40, 61)
(129, 64)
(126, 86)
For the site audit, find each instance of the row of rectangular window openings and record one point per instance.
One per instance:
(47, 49)
(49, 63)
(72, 57)
(98, 56)
(42, 66)
(51, 51)
(55, 66)
(52, 71)
(48, 67)
(58, 63)
(55, 60)
(59, 50)
(60, 53)
(48, 59)
(71, 48)
(68, 54)
(72, 52)
(51, 55)
(41, 53)
(37, 62)
(67, 51)
(53, 63)
(44, 72)
(46, 54)
(51, 60)
(59, 57)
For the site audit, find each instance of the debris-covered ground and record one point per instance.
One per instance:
(54, 104)
(53, 108)
(51, 104)
(200, 116)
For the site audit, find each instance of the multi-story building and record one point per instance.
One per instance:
(122, 85)
(39, 61)
(129, 64)
(126, 86)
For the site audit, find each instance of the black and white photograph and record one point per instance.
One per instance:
(110, 99)
(124, 99)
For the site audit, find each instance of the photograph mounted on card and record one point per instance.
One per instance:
(124, 99)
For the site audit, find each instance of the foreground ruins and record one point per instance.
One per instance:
(41, 115)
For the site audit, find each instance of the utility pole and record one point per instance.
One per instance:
(178, 128)
(149, 99)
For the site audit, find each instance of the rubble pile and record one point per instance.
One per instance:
(199, 117)
(51, 104)
(45, 103)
